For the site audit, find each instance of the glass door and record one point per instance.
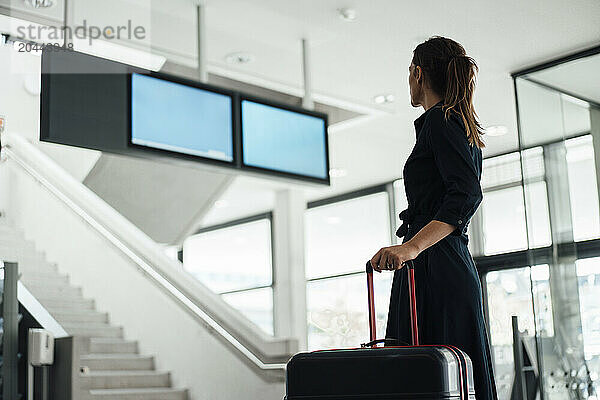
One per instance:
(559, 118)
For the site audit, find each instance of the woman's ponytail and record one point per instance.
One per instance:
(451, 74)
(460, 85)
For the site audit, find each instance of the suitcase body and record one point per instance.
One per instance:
(371, 372)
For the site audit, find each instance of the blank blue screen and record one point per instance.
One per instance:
(180, 118)
(283, 140)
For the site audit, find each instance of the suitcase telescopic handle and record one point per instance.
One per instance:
(412, 296)
(371, 300)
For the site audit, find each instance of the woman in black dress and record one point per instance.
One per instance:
(442, 181)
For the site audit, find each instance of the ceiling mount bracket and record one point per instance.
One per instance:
(307, 99)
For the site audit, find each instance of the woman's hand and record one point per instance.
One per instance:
(394, 257)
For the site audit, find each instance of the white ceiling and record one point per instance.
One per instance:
(579, 77)
(355, 61)
(352, 62)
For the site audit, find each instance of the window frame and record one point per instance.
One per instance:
(353, 195)
(233, 223)
(484, 263)
(236, 222)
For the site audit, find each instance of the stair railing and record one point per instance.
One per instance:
(87, 205)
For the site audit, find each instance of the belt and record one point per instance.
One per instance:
(409, 218)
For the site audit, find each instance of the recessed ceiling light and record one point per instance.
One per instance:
(337, 172)
(496, 130)
(239, 58)
(384, 98)
(39, 3)
(347, 14)
(221, 203)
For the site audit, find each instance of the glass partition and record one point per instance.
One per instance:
(559, 120)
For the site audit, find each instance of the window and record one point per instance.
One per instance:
(501, 170)
(502, 209)
(509, 292)
(538, 214)
(588, 276)
(255, 304)
(400, 204)
(235, 260)
(503, 216)
(340, 238)
(583, 188)
(337, 310)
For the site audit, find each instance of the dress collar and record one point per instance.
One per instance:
(419, 121)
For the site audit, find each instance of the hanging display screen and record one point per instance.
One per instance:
(284, 140)
(184, 119)
(94, 103)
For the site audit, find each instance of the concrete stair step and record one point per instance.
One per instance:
(93, 330)
(66, 305)
(6, 225)
(112, 346)
(15, 242)
(117, 362)
(5, 229)
(39, 269)
(12, 231)
(124, 379)
(138, 394)
(37, 261)
(25, 258)
(54, 291)
(10, 242)
(112, 368)
(44, 279)
(81, 317)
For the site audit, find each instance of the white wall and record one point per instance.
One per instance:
(198, 360)
(20, 104)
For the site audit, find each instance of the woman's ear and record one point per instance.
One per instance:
(418, 74)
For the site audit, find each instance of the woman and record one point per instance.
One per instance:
(441, 178)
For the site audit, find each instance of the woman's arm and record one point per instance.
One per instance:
(395, 256)
(454, 161)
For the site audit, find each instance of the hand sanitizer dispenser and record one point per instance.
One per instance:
(40, 353)
(41, 347)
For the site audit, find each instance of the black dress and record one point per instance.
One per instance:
(442, 181)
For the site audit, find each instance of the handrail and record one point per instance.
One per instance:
(39, 312)
(13, 141)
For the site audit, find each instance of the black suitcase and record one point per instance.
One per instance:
(389, 372)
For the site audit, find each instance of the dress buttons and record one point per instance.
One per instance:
(460, 221)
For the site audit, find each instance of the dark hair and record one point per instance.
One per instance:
(451, 74)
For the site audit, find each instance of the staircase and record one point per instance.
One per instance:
(111, 368)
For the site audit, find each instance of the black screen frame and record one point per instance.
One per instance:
(240, 98)
(104, 67)
(45, 100)
(190, 83)
(122, 141)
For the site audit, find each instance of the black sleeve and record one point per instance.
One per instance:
(453, 157)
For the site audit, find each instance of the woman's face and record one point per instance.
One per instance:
(414, 82)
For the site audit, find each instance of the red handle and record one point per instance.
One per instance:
(414, 326)
(412, 296)
(371, 299)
